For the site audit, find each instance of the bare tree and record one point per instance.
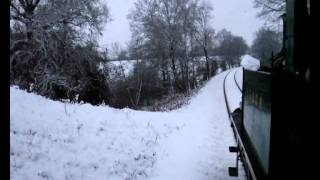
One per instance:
(23, 11)
(265, 43)
(230, 47)
(270, 10)
(162, 23)
(59, 53)
(25, 47)
(204, 33)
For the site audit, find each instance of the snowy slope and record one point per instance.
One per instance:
(53, 140)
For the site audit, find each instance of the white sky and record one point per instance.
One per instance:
(237, 16)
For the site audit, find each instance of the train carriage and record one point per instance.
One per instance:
(274, 133)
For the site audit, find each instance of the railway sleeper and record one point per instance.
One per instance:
(233, 171)
(233, 149)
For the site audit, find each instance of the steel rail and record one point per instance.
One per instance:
(225, 94)
(235, 80)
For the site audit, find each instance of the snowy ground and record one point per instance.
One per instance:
(53, 140)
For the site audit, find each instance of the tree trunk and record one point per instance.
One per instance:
(29, 7)
(29, 25)
(188, 78)
(173, 67)
(207, 62)
(194, 75)
(163, 70)
(163, 75)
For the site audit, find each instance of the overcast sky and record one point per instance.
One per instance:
(237, 16)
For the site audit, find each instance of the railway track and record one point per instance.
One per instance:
(235, 80)
(239, 149)
(225, 93)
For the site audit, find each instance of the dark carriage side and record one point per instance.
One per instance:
(277, 128)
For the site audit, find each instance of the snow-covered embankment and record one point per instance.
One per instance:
(53, 140)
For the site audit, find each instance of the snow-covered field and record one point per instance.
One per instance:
(54, 140)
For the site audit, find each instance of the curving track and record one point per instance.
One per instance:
(225, 91)
(235, 80)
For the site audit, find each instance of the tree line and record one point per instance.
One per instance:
(175, 33)
(54, 50)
